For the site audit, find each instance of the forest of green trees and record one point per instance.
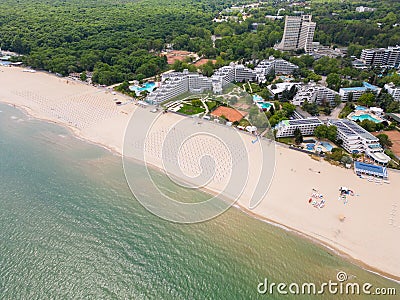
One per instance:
(120, 39)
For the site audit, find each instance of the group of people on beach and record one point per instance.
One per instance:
(344, 192)
(317, 200)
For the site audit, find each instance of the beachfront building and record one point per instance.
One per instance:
(315, 93)
(298, 33)
(381, 57)
(279, 66)
(361, 168)
(174, 84)
(393, 90)
(307, 126)
(356, 139)
(356, 92)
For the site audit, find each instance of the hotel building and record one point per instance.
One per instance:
(298, 33)
(393, 90)
(307, 126)
(279, 66)
(174, 84)
(357, 140)
(382, 57)
(315, 93)
(357, 91)
(231, 73)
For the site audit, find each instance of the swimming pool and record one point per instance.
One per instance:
(257, 98)
(148, 86)
(263, 105)
(327, 146)
(365, 117)
(359, 107)
(286, 78)
(310, 147)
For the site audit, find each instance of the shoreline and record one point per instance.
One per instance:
(320, 243)
(337, 249)
(333, 249)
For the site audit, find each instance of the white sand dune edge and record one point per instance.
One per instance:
(369, 235)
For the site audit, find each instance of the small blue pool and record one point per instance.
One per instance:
(257, 98)
(365, 117)
(310, 146)
(148, 86)
(285, 78)
(327, 146)
(264, 105)
(359, 107)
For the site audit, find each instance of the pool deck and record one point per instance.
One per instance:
(358, 113)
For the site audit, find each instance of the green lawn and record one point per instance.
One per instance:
(286, 140)
(211, 105)
(188, 109)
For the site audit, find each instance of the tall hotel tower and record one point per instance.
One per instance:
(298, 33)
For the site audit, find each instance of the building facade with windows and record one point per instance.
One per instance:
(381, 57)
(356, 139)
(307, 126)
(298, 33)
(356, 92)
(315, 93)
(393, 90)
(232, 73)
(174, 84)
(279, 66)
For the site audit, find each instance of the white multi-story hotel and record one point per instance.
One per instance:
(315, 93)
(231, 73)
(357, 91)
(393, 90)
(357, 140)
(279, 66)
(174, 84)
(234, 72)
(243, 73)
(298, 33)
(382, 57)
(307, 126)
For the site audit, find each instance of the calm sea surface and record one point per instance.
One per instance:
(71, 229)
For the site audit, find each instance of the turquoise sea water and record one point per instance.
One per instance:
(71, 229)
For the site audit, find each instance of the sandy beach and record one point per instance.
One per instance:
(366, 228)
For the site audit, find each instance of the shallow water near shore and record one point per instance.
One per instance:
(71, 228)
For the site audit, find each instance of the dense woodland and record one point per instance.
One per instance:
(121, 39)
